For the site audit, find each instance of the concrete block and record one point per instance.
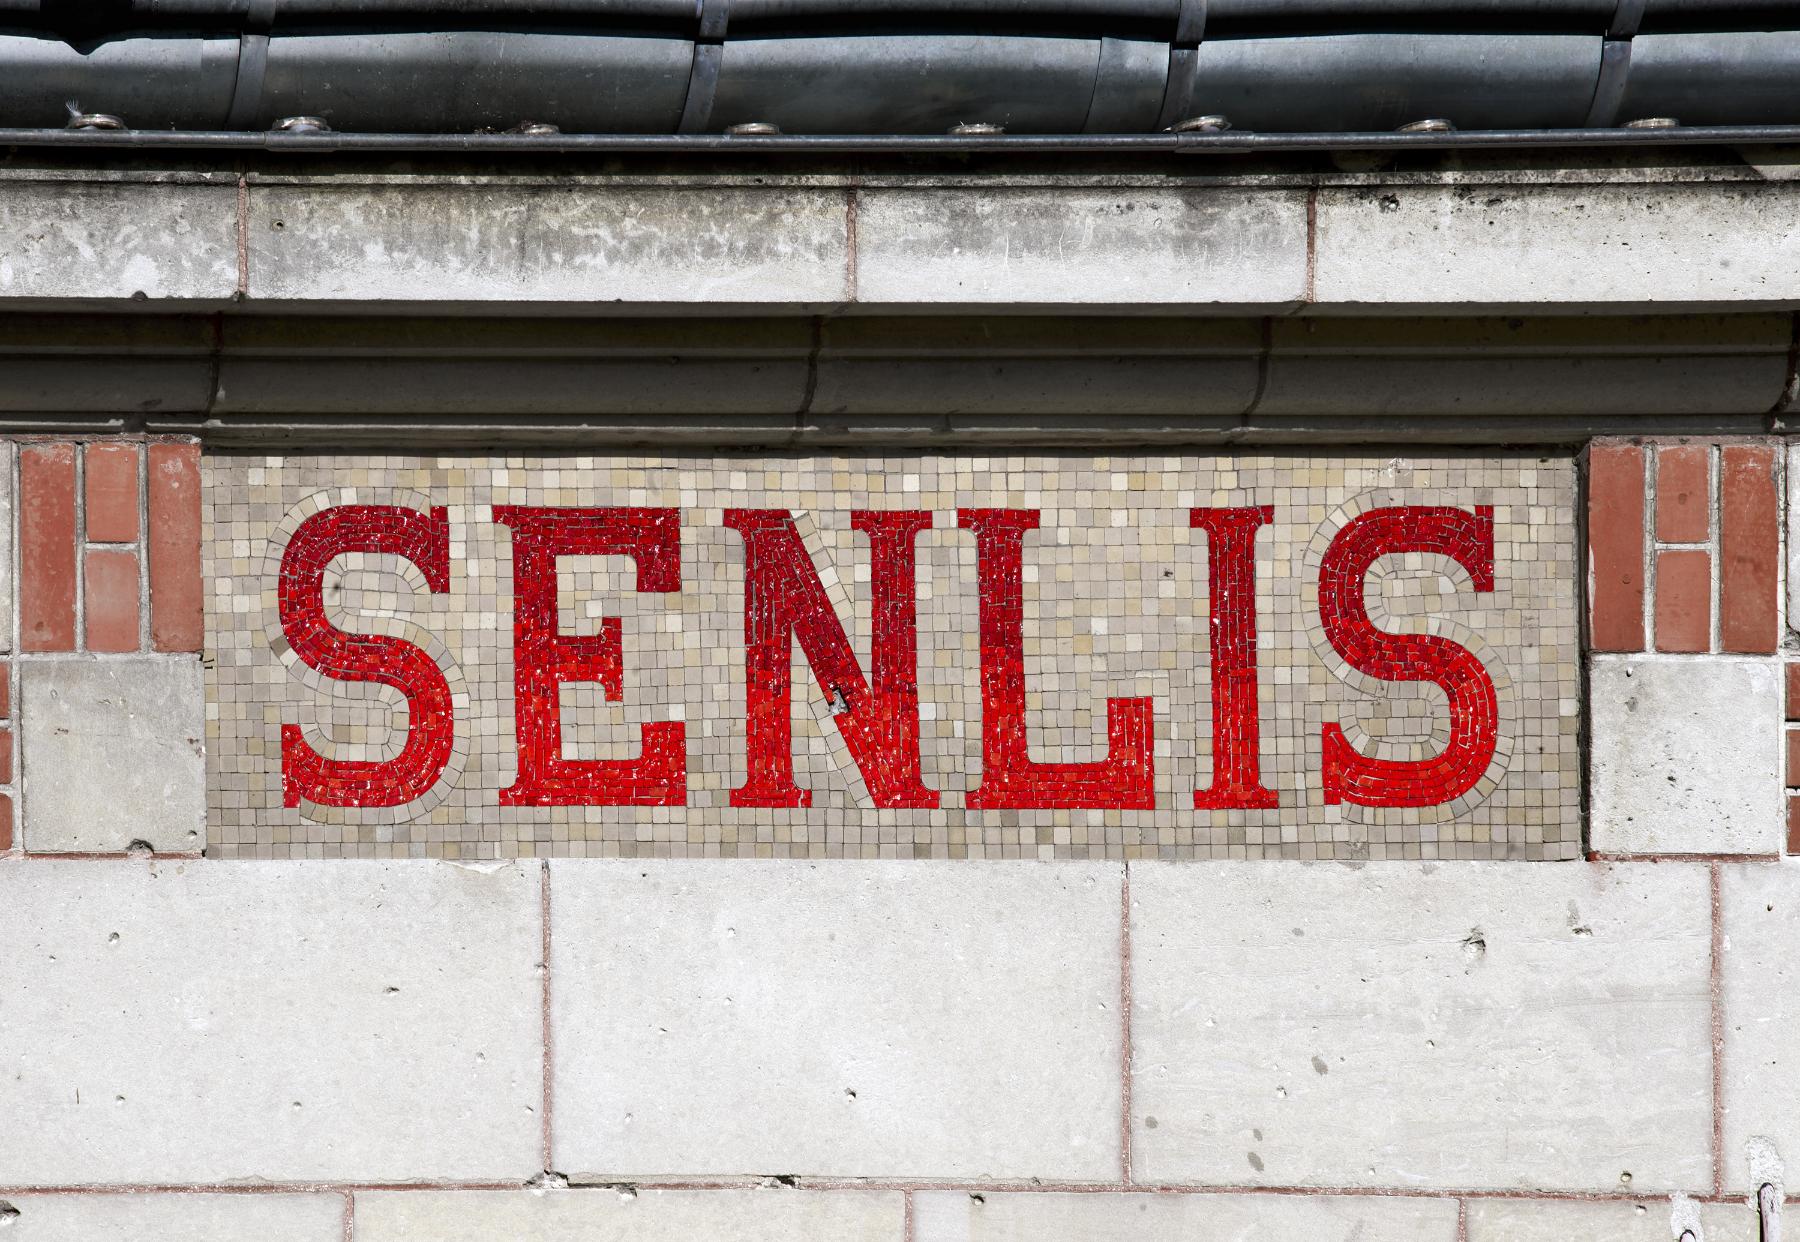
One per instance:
(176, 1218)
(567, 245)
(1520, 1220)
(957, 1217)
(1760, 984)
(1067, 246)
(1685, 754)
(1461, 1025)
(858, 1019)
(1708, 244)
(184, 1022)
(774, 1215)
(114, 752)
(70, 242)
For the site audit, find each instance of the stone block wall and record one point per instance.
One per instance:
(902, 1049)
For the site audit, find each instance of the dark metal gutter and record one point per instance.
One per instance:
(1228, 143)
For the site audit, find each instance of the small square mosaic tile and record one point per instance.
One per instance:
(951, 657)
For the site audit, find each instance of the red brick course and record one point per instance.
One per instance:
(6, 822)
(111, 584)
(1683, 493)
(110, 486)
(47, 547)
(1616, 546)
(175, 589)
(1749, 549)
(1732, 511)
(1793, 824)
(1683, 601)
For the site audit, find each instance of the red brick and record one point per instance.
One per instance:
(111, 489)
(1683, 494)
(1683, 601)
(6, 822)
(111, 582)
(6, 758)
(1793, 757)
(1749, 549)
(1616, 546)
(1793, 833)
(5, 691)
(47, 547)
(175, 605)
(1793, 691)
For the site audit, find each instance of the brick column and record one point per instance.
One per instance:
(1684, 623)
(111, 709)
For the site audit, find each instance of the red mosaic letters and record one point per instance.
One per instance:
(785, 602)
(1468, 539)
(877, 716)
(1231, 618)
(543, 658)
(1010, 780)
(306, 775)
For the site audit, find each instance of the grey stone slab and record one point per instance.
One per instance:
(82, 242)
(1713, 245)
(1453, 1025)
(176, 1218)
(845, 1018)
(1516, 1220)
(1053, 246)
(1685, 754)
(1760, 989)
(192, 1022)
(993, 1217)
(560, 245)
(113, 751)
(643, 1215)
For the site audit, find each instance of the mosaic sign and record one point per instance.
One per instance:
(1175, 657)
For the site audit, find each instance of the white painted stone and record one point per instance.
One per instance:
(176, 1218)
(1435, 1025)
(1685, 754)
(183, 1022)
(548, 244)
(1537, 1220)
(113, 751)
(1706, 243)
(865, 1019)
(773, 1215)
(1761, 991)
(75, 241)
(1067, 245)
(995, 1217)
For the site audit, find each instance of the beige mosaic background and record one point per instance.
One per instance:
(1116, 605)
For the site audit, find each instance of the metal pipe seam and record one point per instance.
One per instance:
(914, 83)
(1593, 15)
